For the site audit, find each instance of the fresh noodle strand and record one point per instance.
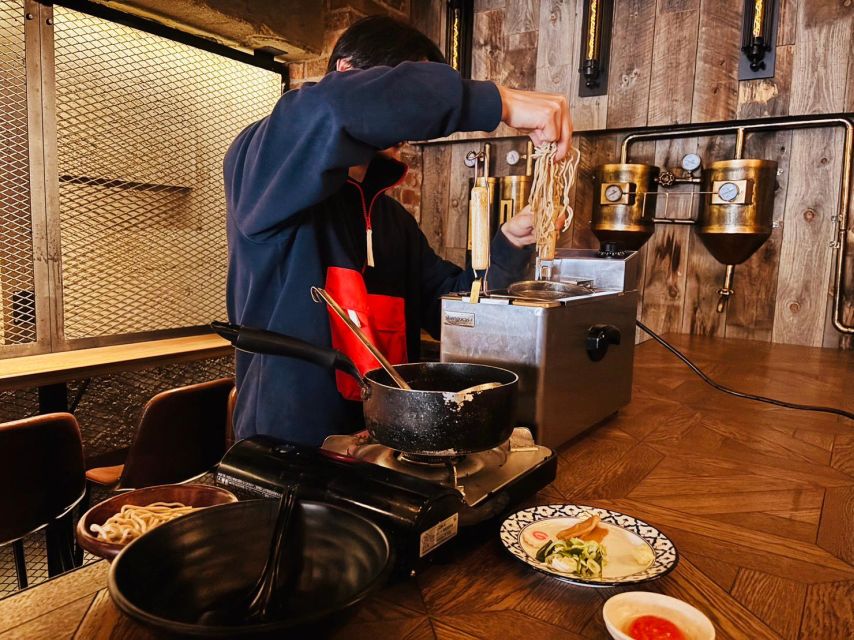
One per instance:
(549, 199)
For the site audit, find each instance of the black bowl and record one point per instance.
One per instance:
(171, 577)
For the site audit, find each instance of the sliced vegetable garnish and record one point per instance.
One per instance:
(585, 558)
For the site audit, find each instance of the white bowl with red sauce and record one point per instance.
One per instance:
(644, 615)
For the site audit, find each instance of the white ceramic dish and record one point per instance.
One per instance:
(620, 610)
(627, 536)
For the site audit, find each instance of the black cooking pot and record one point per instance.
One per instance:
(431, 419)
(173, 576)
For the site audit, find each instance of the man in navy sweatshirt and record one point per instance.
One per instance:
(305, 191)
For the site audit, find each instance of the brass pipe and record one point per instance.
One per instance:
(673, 221)
(726, 291)
(842, 222)
(802, 123)
(739, 143)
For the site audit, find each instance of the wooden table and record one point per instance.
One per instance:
(759, 501)
(50, 371)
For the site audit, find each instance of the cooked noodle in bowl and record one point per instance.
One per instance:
(134, 520)
(110, 526)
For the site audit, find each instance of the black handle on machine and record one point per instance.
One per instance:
(599, 338)
(279, 344)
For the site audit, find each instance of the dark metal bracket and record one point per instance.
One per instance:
(595, 48)
(759, 39)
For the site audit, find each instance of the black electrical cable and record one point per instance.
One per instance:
(733, 392)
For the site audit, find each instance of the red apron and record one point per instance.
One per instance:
(381, 318)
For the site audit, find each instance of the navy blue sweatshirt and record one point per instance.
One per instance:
(296, 220)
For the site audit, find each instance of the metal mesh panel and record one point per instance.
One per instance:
(143, 124)
(17, 298)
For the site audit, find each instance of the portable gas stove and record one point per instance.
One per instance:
(421, 502)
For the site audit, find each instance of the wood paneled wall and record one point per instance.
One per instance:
(675, 62)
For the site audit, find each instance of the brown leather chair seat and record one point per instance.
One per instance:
(181, 435)
(41, 481)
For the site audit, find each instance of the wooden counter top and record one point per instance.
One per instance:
(50, 368)
(759, 501)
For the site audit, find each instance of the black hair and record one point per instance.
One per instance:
(382, 41)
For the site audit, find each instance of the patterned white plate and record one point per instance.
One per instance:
(627, 542)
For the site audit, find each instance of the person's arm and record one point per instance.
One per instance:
(508, 263)
(300, 154)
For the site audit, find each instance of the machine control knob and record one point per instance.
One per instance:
(728, 191)
(613, 193)
(599, 338)
(691, 162)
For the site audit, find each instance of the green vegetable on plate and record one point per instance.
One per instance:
(584, 558)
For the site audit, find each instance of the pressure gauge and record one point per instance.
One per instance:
(613, 193)
(471, 159)
(512, 157)
(728, 191)
(691, 162)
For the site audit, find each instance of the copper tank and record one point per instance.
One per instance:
(622, 212)
(738, 208)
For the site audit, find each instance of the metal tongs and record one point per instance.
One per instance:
(318, 294)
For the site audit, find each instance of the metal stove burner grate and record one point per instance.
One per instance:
(476, 476)
(435, 470)
(414, 458)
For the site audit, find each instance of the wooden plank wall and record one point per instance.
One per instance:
(675, 62)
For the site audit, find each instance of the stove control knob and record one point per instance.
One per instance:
(599, 338)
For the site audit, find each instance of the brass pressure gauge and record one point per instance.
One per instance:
(613, 193)
(728, 191)
(731, 191)
(691, 162)
(616, 193)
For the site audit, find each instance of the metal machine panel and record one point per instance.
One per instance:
(562, 391)
(613, 274)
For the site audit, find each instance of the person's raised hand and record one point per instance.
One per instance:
(544, 117)
(519, 229)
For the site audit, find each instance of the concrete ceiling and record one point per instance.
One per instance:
(294, 27)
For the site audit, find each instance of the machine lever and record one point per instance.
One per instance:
(599, 338)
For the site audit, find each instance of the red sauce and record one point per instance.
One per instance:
(654, 628)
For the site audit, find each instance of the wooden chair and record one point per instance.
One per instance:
(41, 481)
(180, 437)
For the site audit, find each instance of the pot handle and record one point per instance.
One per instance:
(279, 344)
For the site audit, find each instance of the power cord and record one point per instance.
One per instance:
(733, 392)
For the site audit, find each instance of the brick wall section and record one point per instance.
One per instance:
(409, 192)
(337, 21)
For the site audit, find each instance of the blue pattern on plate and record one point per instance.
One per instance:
(666, 555)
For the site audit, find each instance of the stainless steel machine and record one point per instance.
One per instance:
(571, 340)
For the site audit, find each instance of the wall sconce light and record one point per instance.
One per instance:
(458, 35)
(758, 40)
(595, 47)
